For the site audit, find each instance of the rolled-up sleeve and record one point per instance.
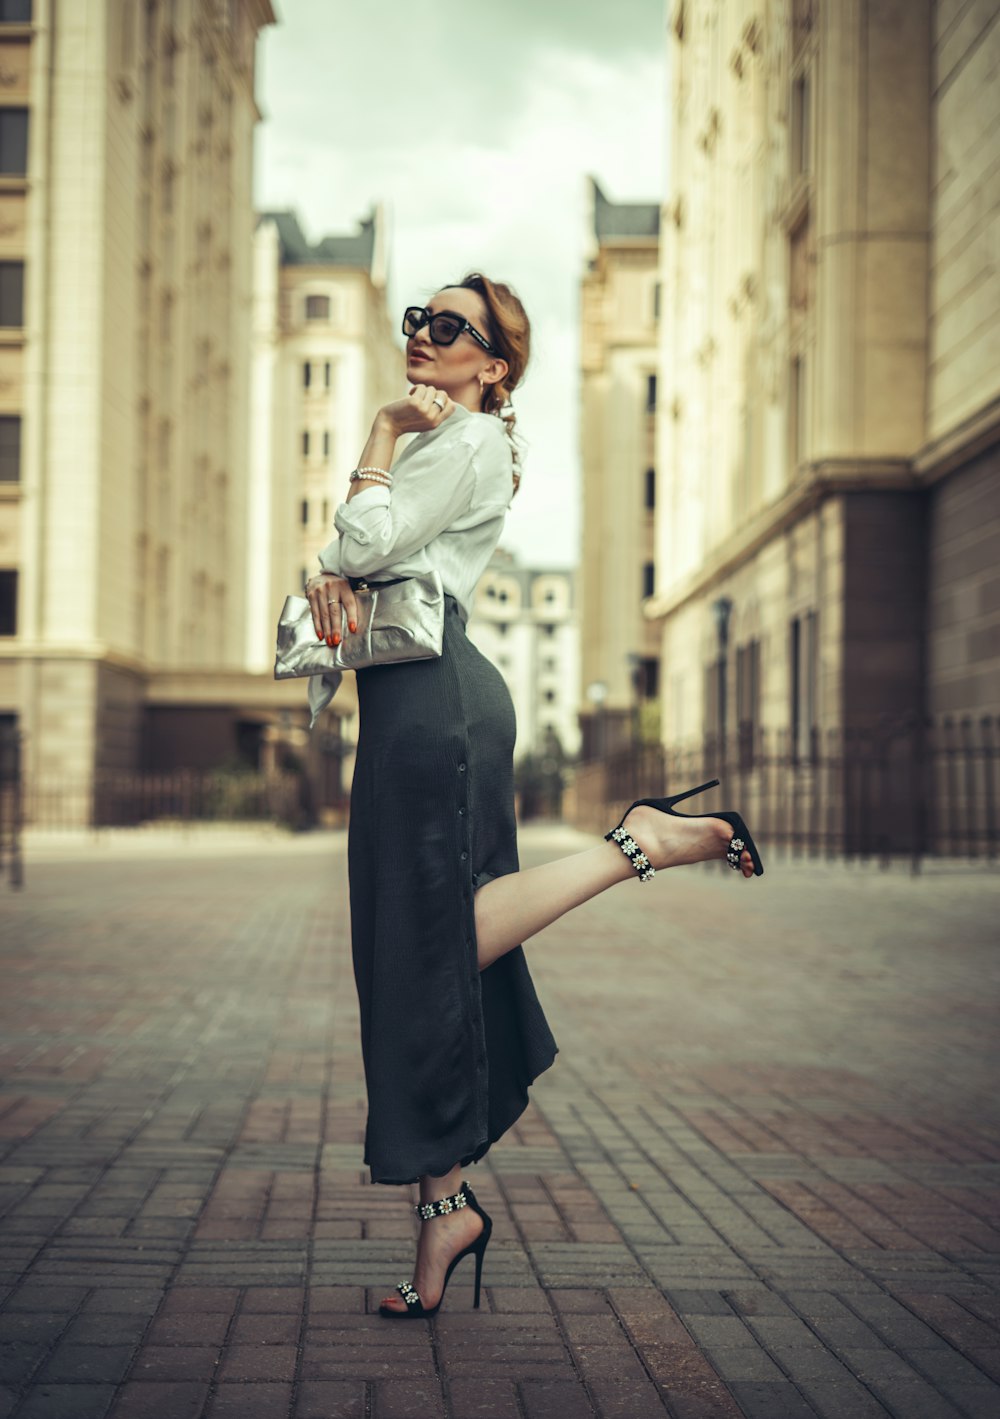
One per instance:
(379, 526)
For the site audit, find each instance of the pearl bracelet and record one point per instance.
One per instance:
(375, 475)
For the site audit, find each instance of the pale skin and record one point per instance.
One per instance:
(512, 909)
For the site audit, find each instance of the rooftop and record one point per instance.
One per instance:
(357, 250)
(614, 221)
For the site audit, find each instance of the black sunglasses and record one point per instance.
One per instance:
(444, 328)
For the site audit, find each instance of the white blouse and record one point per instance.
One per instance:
(451, 490)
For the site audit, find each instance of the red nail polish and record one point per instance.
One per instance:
(336, 640)
(329, 641)
(352, 625)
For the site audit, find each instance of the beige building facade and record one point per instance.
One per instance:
(828, 519)
(126, 226)
(620, 311)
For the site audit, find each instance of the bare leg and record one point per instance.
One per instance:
(511, 909)
(441, 1238)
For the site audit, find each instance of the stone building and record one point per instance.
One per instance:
(126, 225)
(326, 356)
(828, 499)
(525, 620)
(620, 310)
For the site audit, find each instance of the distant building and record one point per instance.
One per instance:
(620, 311)
(525, 621)
(828, 469)
(325, 359)
(126, 222)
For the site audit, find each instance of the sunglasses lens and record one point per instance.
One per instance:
(413, 318)
(445, 330)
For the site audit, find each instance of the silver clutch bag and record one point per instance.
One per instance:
(397, 620)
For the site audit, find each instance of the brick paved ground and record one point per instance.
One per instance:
(761, 1178)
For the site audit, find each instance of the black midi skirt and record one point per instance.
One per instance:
(449, 1050)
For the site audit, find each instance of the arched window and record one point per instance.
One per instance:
(317, 307)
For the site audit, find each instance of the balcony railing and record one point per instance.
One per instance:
(907, 790)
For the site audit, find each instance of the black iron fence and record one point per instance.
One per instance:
(114, 800)
(907, 790)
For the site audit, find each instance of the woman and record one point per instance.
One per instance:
(451, 1029)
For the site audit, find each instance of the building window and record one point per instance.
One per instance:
(651, 394)
(650, 489)
(715, 700)
(502, 627)
(801, 136)
(796, 411)
(648, 578)
(12, 294)
(327, 371)
(657, 287)
(549, 629)
(747, 699)
(13, 141)
(550, 696)
(167, 188)
(305, 443)
(648, 678)
(305, 512)
(8, 603)
(803, 674)
(326, 443)
(317, 307)
(10, 448)
(15, 12)
(326, 511)
(306, 375)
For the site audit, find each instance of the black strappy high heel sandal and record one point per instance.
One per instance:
(465, 1197)
(740, 840)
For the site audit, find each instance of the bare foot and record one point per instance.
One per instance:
(441, 1239)
(673, 841)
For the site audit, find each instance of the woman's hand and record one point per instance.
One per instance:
(332, 600)
(423, 408)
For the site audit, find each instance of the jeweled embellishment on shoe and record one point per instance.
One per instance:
(442, 1206)
(408, 1294)
(633, 852)
(736, 846)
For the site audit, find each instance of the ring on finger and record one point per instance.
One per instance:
(439, 402)
(332, 601)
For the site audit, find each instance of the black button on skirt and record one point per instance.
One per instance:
(449, 1050)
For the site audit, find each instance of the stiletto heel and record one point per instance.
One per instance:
(415, 1308)
(479, 1275)
(739, 842)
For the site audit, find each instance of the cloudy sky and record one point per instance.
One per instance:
(476, 125)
